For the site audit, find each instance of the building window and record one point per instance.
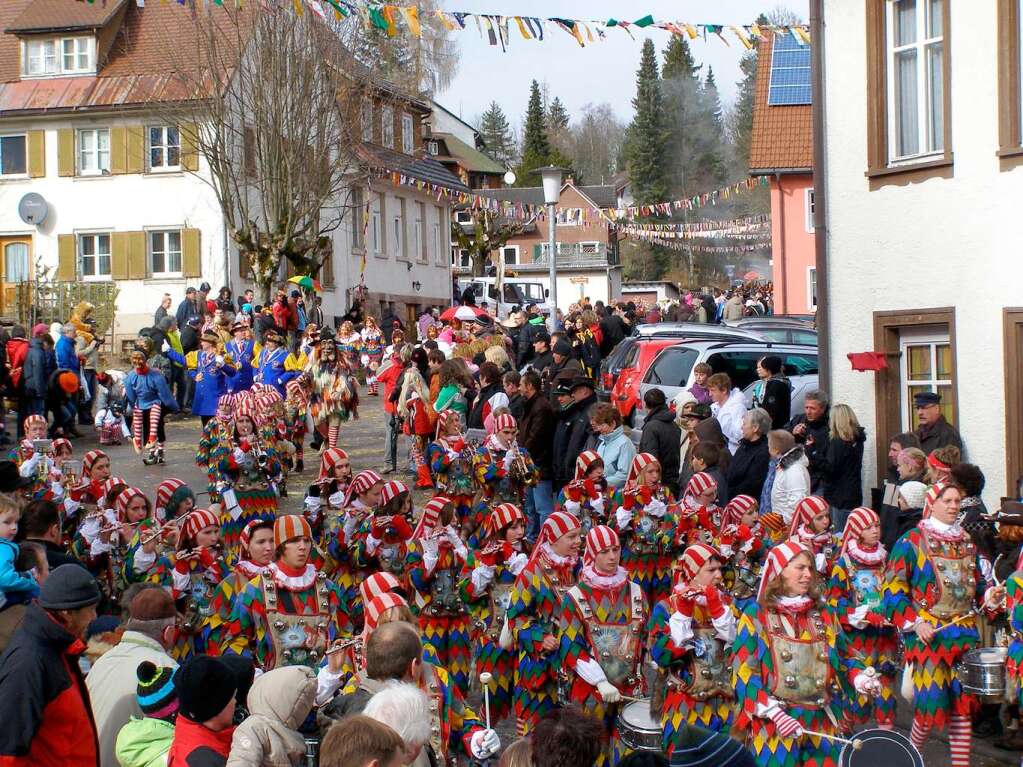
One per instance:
(165, 253)
(164, 148)
(367, 121)
(59, 56)
(377, 227)
(916, 101)
(399, 230)
(358, 219)
(407, 134)
(926, 366)
(440, 240)
(12, 156)
(811, 287)
(94, 255)
(1010, 80)
(808, 206)
(387, 127)
(510, 255)
(461, 259)
(93, 151)
(419, 233)
(569, 216)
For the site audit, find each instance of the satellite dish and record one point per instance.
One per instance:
(32, 209)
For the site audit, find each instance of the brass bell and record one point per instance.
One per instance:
(279, 625)
(786, 656)
(269, 585)
(790, 681)
(313, 655)
(820, 683)
(605, 655)
(705, 673)
(323, 605)
(321, 625)
(822, 655)
(287, 655)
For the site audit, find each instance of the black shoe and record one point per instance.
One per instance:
(389, 470)
(75, 433)
(299, 467)
(987, 728)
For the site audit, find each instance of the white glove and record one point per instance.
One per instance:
(452, 455)
(28, 468)
(608, 692)
(597, 504)
(372, 544)
(624, 517)
(481, 576)
(336, 499)
(351, 523)
(484, 743)
(71, 506)
(681, 628)
(57, 489)
(241, 457)
(590, 672)
(312, 507)
(821, 562)
(858, 618)
(516, 562)
(508, 460)
(573, 507)
(655, 508)
(726, 550)
(219, 359)
(867, 684)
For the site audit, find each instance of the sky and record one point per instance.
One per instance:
(601, 72)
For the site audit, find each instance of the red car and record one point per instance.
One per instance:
(625, 392)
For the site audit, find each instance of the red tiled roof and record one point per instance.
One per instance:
(782, 136)
(45, 15)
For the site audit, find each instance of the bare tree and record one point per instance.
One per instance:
(784, 17)
(595, 141)
(272, 100)
(486, 233)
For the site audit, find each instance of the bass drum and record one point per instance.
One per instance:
(871, 748)
(638, 730)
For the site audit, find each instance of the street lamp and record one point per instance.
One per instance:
(509, 177)
(551, 176)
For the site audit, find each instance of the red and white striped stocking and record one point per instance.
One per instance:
(154, 421)
(959, 735)
(918, 735)
(333, 431)
(136, 429)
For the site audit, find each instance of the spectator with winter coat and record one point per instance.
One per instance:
(536, 435)
(278, 703)
(887, 495)
(662, 437)
(206, 700)
(17, 355)
(188, 308)
(841, 477)
(811, 431)
(733, 308)
(36, 373)
(728, 406)
(748, 468)
(791, 478)
(44, 704)
(67, 356)
(773, 392)
(573, 433)
(615, 449)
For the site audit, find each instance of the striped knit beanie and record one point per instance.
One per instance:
(505, 421)
(859, 520)
(739, 505)
(431, 516)
(392, 490)
(600, 538)
(640, 462)
(585, 460)
(155, 692)
(778, 559)
(376, 585)
(290, 526)
(89, 459)
(692, 559)
(34, 420)
(700, 483)
(502, 516)
(198, 520)
(127, 496)
(806, 510)
(165, 490)
(329, 461)
(362, 482)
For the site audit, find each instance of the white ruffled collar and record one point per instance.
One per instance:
(294, 582)
(794, 604)
(592, 578)
(249, 569)
(864, 557)
(555, 559)
(941, 530)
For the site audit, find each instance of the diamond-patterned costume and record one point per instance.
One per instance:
(1014, 607)
(222, 604)
(648, 538)
(587, 501)
(452, 468)
(252, 494)
(502, 477)
(214, 447)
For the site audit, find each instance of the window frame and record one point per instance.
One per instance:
(165, 148)
(58, 43)
(387, 126)
(377, 213)
(931, 339)
(811, 288)
(7, 262)
(421, 252)
(368, 132)
(398, 228)
(504, 255)
(809, 203)
(165, 274)
(97, 276)
(443, 229)
(79, 152)
(1010, 83)
(880, 171)
(408, 133)
(24, 137)
(358, 205)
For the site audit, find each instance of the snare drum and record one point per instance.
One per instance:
(982, 673)
(638, 730)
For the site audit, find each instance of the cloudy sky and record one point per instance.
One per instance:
(602, 72)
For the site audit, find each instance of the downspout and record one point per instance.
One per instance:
(820, 192)
(782, 254)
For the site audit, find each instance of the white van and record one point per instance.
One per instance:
(515, 291)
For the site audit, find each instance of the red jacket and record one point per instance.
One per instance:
(285, 316)
(389, 378)
(197, 746)
(17, 352)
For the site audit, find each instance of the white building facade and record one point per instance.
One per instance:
(924, 188)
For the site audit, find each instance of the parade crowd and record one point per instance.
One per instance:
(718, 594)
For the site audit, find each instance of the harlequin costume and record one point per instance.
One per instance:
(380, 543)
(39, 467)
(338, 538)
(296, 408)
(789, 654)
(1014, 609)
(349, 344)
(691, 635)
(327, 491)
(452, 467)
(647, 526)
(503, 472)
(854, 598)
(933, 575)
(492, 570)
(250, 472)
(698, 522)
(215, 442)
(585, 498)
(287, 616)
(743, 548)
(335, 393)
(533, 614)
(603, 628)
(372, 352)
(821, 545)
(436, 558)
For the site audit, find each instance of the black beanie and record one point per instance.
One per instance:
(68, 587)
(563, 347)
(205, 686)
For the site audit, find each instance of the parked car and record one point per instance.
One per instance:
(625, 392)
(672, 369)
(780, 329)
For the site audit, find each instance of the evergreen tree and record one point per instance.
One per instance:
(645, 145)
(713, 101)
(678, 60)
(496, 134)
(536, 148)
(557, 116)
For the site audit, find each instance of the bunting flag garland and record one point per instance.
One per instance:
(671, 207)
(735, 225)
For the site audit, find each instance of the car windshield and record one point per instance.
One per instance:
(672, 367)
(531, 291)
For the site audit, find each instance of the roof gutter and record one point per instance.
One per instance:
(820, 191)
(779, 171)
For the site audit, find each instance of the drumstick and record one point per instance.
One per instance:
(955, 622)
(485, 678)
(856, 744)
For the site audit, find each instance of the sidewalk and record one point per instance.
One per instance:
(935, 751)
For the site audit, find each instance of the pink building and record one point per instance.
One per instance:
(781, 148)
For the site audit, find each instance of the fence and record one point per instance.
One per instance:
(48, 301)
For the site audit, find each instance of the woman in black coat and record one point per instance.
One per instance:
(773, 393)
(841, 480)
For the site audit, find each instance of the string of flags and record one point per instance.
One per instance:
(709, 228)
(499, 29)
(763, 236)
(697, 248)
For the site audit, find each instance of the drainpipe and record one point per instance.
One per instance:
(782, 254)
(820, 191)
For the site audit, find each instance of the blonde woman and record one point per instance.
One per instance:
(499, 356)
(841, 480)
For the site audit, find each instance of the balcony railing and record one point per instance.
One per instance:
(576, 254)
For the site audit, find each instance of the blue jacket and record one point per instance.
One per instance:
(210, 383)
(67, 358)
(241, 353)
(35, 373)
(145, 390)
(271, 369)
(616, 451)
(10, 579)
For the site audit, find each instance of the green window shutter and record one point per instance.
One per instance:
(119, 255)
(135, 149)
(66, 152)
(189, 152)
(191, 265)
(67, 258)
(118, 151)
(36, 153)
(537, 252)
(137, 256)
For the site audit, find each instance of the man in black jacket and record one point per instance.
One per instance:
(934, 431)
(573, 434)
(662, 437)
(188, 308)
(776, 397)
(190, 343)
(536, 433)
(612, 330)
(811, 431)
(491, 395)
(40, 523)
(747, 469)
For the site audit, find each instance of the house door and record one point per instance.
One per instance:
(16, 253)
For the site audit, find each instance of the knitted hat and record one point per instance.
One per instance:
(500, 517)
(739, 505)
(67, 588)
(556, 526)
(111, 483)
(198, 520)
(600, 538)
(806, 510)
(155, 692)
(34, 420)
(377, 584)
(392, 490)
(377, 607)
(932, 495)
(165, 489)
(290, 526)
(859, 520)
(248, 408)
(329, 461)
(60, 444)
(362, 482)
(431, 515)
(205, 686)
(505, 421)
(127, 496)
(693, 558)
(700, 483)
(246, 535)
(640, 462)
(585, 461)
(444, 418)
(226, 404)
(778, 559)
(89, 459)
(914, 494)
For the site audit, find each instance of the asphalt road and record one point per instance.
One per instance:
(363, 440)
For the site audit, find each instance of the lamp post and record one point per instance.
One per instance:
(551, 176)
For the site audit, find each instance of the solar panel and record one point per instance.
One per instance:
(790, 73)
